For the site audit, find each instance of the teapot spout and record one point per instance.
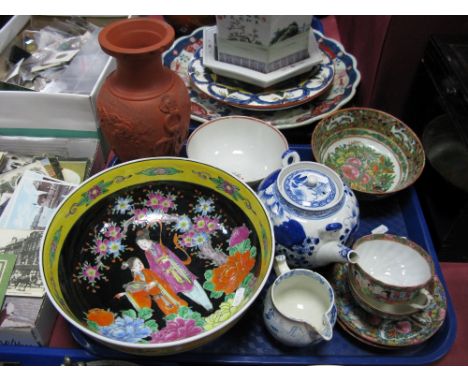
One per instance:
(335, 252)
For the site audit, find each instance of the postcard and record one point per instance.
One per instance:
(34, 202)
(20, 312)
(7, 263)
(9, 180)
(13, 161)
(25, 279)
(4, 199)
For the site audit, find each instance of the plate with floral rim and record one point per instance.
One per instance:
(205, 108)
(289, 93)
(381, 332)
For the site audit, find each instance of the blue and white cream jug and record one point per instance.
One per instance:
(299, 307)
(313, 214)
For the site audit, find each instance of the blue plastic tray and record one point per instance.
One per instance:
(248, 342)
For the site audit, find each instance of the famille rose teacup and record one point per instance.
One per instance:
(392, 270)
(300, 306)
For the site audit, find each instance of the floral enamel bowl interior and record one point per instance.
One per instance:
(375, 153)
(158, 255)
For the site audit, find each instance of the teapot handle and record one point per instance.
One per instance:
(290, 157)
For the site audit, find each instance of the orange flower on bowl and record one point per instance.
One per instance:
(100, 316)
(230, 275)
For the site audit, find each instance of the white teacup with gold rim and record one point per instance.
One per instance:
(392, 270)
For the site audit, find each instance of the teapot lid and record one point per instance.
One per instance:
(310, 186)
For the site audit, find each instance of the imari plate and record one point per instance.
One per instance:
(157, 256)
(289, 93)
(382, 332)
(206, 108)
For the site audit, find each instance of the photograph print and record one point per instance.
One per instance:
(25, 279)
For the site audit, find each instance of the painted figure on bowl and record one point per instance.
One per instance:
(170, 268)
(147, 286)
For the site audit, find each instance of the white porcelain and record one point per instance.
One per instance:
(246, 147)
(262, 42)
(299, 308)
(313, 213)
(252, 76)
(393, 263)
(392, 270)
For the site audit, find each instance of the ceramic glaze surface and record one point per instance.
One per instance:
(310, 232)
(204, 108)
(262, 30)
(157, 256)
(293, 298)
(309, 188)
(393, 263)
(289, 93)
(299, 309)
(262, 43)
(383, 309)
(383, 332)
(393, 269)
(374, 152)
(254, 77)
(364, 163)
(235, 143)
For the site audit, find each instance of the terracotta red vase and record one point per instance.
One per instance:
(143, 107)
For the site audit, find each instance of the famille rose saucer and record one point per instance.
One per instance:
(289, 93)
(205, 108)
(384, 332)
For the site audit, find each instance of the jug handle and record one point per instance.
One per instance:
(281, 266)
(290, 157)
(327, 332)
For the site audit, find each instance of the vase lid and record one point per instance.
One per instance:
(310, 186)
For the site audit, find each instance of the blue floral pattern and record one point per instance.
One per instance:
(127, 329)
(346, 80)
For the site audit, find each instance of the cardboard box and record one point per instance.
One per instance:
(37, 110)
(29, 320)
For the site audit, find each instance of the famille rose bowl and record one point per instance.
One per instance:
(374, 152)
(158, 255)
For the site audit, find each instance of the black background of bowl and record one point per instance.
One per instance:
(80, 299)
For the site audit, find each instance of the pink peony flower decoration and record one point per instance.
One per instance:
(239, 234)
(354, 162)
(350, 171)
(175, 330)
(365, 179)
(403, 327)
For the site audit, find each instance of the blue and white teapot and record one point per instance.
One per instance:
(313, 213)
